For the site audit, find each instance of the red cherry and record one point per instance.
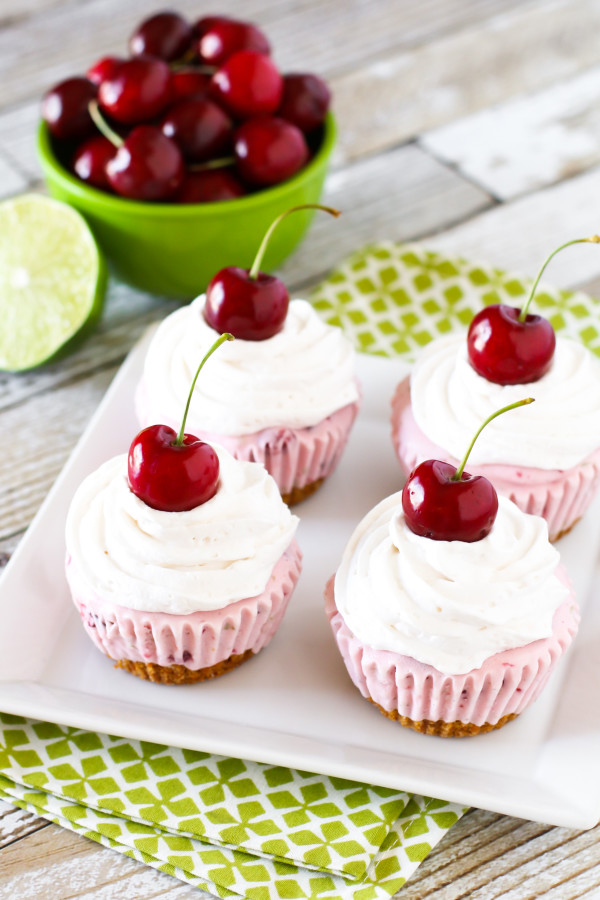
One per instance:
(166, 35)
(174, 472)
(221, 37)
(252, 309)
(447, 504)
(65, 108)
(268, 151)
(147, 166)
(509, 346)
(443, 509)
(138, 90)
(90, 160)
(249, 303)
(305, 102)
(189, 83)
(103, 68)
(169, 476)
(199, 127)
(209, 187)
(507, 351)
(248, 84)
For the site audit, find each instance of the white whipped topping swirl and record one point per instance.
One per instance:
(448, 603)
(450, 401)
(294, 379)
(179, 562)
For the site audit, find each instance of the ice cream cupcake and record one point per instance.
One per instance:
(450, 607)
(284, 394)
(450, 638)
(178, 597)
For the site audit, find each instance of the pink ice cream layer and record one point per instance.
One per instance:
(505, 684)
(195, 640)
(560, 496)
(295, 457)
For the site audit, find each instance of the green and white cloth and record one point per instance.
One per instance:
(392, 299)
(227, 826)
(242, 829)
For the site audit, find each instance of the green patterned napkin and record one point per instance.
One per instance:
(392, 299)
(228, 826)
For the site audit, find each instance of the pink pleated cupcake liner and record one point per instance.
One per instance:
(196, 640)
(560, 497)
(294, 457)
(504, 685)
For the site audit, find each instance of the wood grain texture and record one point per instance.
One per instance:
(399, 195)
(320, 35)
(401, 95)
(16, 824)
(529, 142)
(53, 863)
(59, 425)
(520, 235)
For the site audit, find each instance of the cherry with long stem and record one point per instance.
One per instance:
(458, 475)
(595, 239)
(445, 503)
(247, 302)
(221, 340)
(170, 471)
(507, 345)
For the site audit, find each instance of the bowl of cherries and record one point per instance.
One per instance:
(184, 151)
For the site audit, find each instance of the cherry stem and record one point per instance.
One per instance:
(458, 474)
(220, 340)
(595, 239)
(212, 164)
(253, 273)
(103, 126)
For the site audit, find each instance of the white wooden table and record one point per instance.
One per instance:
(472, 124)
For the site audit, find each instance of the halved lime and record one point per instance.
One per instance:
(52, 279)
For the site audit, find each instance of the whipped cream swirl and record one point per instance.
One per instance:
(450, 401)
(449, 604)
(178, 562)
(294, 379)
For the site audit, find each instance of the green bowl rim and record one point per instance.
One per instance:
(176, 210)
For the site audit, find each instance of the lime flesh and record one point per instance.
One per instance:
(52, 279)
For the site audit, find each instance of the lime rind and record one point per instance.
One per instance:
(52, 279)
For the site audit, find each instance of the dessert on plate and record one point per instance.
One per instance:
(283, 394)
(450, 607)
(180, 559)
(548, 462)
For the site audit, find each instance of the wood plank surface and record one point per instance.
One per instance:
(529, 142)
(63, 39)
(398, 96)
(520, 235)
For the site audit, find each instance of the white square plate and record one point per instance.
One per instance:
(294, 704)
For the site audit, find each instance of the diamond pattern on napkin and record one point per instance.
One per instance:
(226, 872)
(198, 799)
(392, 299)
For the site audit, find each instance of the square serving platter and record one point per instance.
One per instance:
(294, 704)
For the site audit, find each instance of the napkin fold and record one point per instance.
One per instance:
(227, 826)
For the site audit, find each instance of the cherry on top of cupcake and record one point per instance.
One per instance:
(170, 471)
(508, 345)
(444, 503)
(248, 303)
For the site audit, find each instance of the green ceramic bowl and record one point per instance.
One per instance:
(175, 249)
